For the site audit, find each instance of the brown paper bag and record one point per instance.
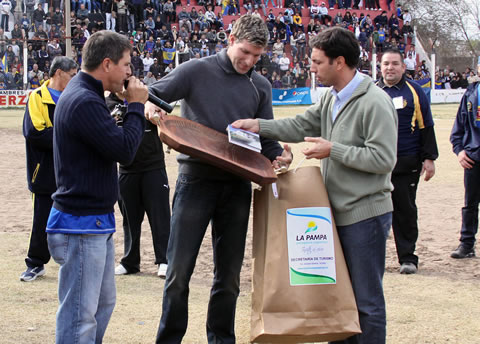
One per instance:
(282, 313)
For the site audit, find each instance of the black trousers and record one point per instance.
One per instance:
(405, 177)
(470, 210)
(140, 193)
(38, 253)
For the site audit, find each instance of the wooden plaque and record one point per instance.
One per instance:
(199, 141)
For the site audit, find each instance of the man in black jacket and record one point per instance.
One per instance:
(143, 186)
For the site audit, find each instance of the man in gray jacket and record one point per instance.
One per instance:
(353, 129)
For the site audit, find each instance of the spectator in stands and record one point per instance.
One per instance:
(412, 52)
(34, 82)
(45, 79)
(381, 20)
(458, 81)
(296, 5)
(410, 65)
(301, 78)
(183, 53)
(82, 12)
(347, 18)
(366, 21)
(137, 63)
(407, 32)
(204, 49)
(5, 8)
(149, 79)
(49, 19)
(17, 78)
(109, 7)
(25, 24)
(315, 10)
(122, 16)
(184, 19)
(363, 38)
(42, 56)
(150, 45)
(311, 26)
(394, 34)
(202, 21)
(35, 72)
(278, 47)
(338, 19)
(393, 22)
(287, 79)
(288, 17)
(17, 32)
(147, 63)
(38, 16)
(365, 65)
(54, 49)
(169, 11)
(283, 63)
(156, 69)
(277, 82)
(248, 5)
(298, 22)
(406, 16)
(15, 47)
(382, 36)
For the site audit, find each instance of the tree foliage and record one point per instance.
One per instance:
(452, 26)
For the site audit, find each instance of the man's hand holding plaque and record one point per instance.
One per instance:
(281, 163)
(153, 113)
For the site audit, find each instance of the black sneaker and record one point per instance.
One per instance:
(462, 252)
(31, 274)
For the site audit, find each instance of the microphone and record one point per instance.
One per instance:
(160, 103)
(155, 100)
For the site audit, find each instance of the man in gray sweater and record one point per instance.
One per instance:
(353, 129)
(215, 91)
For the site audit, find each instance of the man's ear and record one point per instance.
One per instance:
(107, 64)
(340, 62)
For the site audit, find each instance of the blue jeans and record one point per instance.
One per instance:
(471, 182)
(197, 201)
(86, 285)
(364, 245)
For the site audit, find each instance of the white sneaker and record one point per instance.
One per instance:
(120, 270)
(162, 270)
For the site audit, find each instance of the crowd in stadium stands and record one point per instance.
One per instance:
(158, 31)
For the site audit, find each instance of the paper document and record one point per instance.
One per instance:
(244, 138)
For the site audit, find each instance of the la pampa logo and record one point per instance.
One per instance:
(309, 234)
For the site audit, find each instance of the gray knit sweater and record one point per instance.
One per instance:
(364, 137)
(215, 95)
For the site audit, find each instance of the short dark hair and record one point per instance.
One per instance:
(393, 51)
(252, 29)
(63, 63)
(337, 41)
(101, 45)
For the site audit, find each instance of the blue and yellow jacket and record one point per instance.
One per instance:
(38, 132)
(465, 134)
(416, 135)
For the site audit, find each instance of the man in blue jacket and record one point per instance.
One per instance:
(87, 144)
(38, 132)
(416, 152)
(465, 139)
